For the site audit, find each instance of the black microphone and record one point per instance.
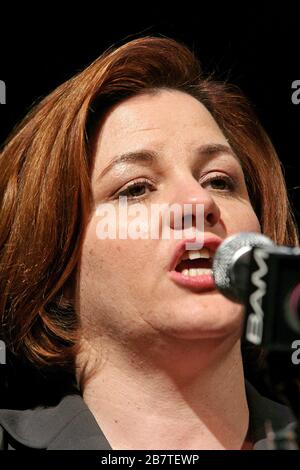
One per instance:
(249, 269)
(231, 264)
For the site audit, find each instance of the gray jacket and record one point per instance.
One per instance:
(71, 425)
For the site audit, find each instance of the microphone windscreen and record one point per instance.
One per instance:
(227, 256)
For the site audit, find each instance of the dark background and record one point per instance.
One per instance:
(256, 46)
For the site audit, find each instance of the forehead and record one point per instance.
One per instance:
(159, 116)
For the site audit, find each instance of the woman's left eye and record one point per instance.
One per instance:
(136, 190)
(221, 183)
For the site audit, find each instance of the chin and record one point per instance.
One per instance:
(199, 325)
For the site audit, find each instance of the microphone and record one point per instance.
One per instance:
(231, 264)
(249, 269)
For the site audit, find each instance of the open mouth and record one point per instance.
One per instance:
(192, 268)
(195, 263)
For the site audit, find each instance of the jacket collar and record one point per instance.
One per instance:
(71, 426)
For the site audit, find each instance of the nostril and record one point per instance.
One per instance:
(210, 218)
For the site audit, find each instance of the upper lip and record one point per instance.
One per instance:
(211, 242)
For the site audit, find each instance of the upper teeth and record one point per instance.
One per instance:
(195, 254)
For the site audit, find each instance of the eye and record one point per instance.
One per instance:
(136, 190)
(221, 183)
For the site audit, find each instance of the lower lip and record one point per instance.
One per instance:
(201, 283)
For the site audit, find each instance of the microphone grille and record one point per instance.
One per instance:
(224, 256)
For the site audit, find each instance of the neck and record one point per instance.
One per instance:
(170, 394)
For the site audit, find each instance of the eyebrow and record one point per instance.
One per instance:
(149, 157)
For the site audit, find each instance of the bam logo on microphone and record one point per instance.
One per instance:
(2, 92)
(255, 321)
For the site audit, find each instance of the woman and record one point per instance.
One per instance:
(154, 356)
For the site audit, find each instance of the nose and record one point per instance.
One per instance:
(190, 196)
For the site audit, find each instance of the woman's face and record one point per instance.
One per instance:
(124, 289)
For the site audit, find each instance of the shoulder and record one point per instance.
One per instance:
(68, 425)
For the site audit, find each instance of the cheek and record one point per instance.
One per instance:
(240, 217)
(112, 261)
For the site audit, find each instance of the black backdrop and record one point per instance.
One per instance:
(256, 46)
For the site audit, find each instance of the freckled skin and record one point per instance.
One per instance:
(123, 290)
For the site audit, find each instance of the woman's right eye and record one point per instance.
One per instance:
(136, 190)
